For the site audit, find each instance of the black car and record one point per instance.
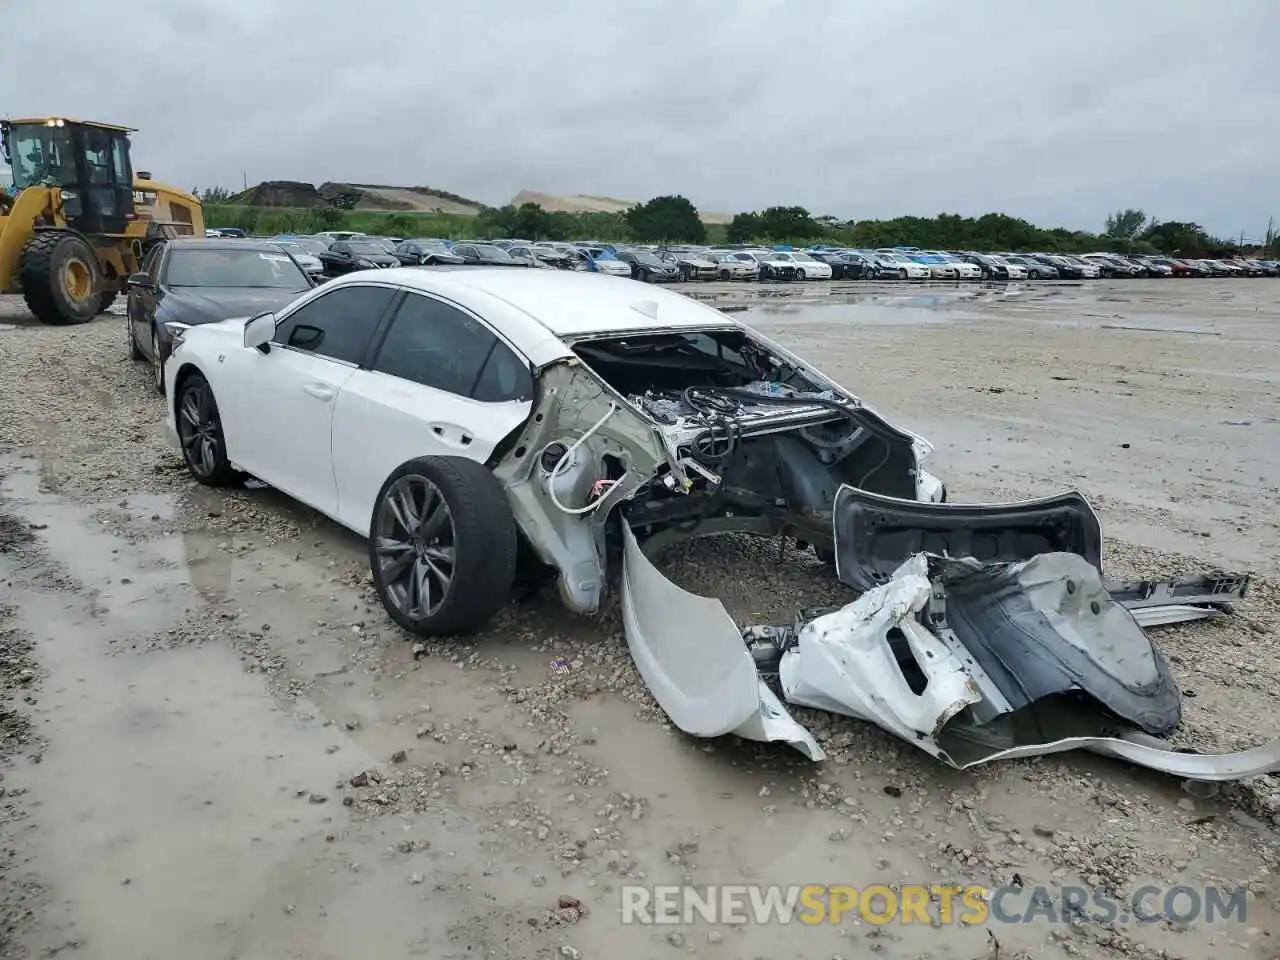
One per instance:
(348, 256)
(188, 281)
(845, 265)
(425, 251)
(648, 267)
(992, 268)
(484, 254)
(1067, 270)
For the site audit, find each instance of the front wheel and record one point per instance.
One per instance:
(800, 275)
(442, 546)
(204, 447)
(134, 352)
(902, 274)
(61, 280)
(157, 362)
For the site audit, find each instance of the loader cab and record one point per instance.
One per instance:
(89, 162)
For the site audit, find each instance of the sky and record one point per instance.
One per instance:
(1058, 112)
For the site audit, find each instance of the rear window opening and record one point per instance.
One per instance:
(778, 441)
(661, 363)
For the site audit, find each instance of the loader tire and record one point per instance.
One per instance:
(61, 281)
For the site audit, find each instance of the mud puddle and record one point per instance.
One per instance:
(184, 808)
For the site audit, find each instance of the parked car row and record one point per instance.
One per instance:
(335, 253)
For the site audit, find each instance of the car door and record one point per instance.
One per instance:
(442, 383)
(278, 419)
(141, 303)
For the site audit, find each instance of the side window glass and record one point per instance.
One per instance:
(504, 377)
(338, 324)
(439, 346)
(120, 160)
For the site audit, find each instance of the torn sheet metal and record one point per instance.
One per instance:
(1024, 666)
(693, 659)
(844, 662)
(1240, 765)
(1047, 627)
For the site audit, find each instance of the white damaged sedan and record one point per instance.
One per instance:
(480, 424)
(450, 414)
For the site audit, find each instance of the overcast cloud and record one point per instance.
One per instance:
(1059, 112)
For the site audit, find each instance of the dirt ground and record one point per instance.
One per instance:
(216, 745)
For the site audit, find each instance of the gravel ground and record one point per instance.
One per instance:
(216, 745)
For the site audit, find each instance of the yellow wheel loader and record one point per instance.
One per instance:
(79, 220)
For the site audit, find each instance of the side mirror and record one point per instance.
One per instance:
(139, 281)
(259, 331)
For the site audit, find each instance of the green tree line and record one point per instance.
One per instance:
(674, 219)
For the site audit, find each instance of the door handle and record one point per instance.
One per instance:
(321, 391)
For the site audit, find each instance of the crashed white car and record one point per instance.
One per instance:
(478, 424)
(731, 267)
(893, 263)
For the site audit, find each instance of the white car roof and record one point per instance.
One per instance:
(537, 309)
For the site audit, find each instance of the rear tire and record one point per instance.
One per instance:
(61, 281)
(409, 546)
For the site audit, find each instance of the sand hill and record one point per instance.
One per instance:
(583, 203)
(358, 196)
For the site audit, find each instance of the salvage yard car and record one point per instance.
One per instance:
(346, 256)
(535, 401)
(804, 266)
(892, 263)
(729, 267)
(475, 424)
(647, 267)
(187, 281)
(426, 251)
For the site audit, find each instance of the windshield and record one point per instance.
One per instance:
(310, 245)
(489, 250)
(41, 153)
(804, 258)
(233, 268)
(367, 247)
(294, 248)
(648, 259)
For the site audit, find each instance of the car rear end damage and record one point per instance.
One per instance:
(689, 432)
(1019, 651)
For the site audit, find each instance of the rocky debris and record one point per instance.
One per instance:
(567, 911)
